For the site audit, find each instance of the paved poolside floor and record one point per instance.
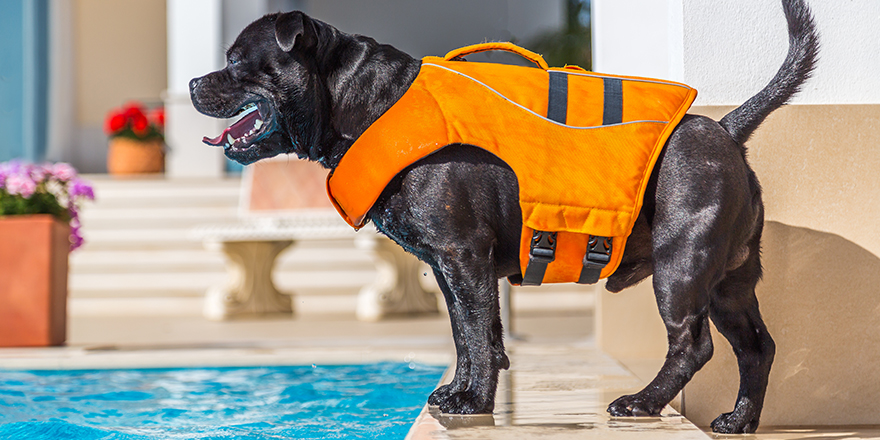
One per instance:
(558, 386)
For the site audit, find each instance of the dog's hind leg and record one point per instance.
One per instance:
(734, 310)
(699, 202)
(684, 307)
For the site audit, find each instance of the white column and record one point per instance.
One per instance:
(194, 48)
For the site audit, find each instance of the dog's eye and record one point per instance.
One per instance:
(233, 59)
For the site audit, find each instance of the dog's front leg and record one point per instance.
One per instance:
(462, 361)
(471, 291)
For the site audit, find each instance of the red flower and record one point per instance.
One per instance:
(139, 124)
(133, 110)
(132, 121)
(157, 116)
(115, 122)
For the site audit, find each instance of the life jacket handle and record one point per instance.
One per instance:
(501, 45)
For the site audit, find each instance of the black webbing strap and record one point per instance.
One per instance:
(557, 101)
(541, 253)
(543, 245)
(599, 248)
(613, 108)
(597, 257)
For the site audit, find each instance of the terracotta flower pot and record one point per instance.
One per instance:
(33, 280)
(129, 156)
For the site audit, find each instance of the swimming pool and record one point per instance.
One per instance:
(303, 402)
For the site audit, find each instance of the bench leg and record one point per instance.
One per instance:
(251, 291)
(397, 289)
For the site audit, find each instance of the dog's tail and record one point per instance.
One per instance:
(803, 51)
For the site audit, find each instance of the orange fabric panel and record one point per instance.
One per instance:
(576, 178)
(584, 97)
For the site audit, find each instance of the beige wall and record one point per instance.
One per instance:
(819, 166)
(120, 53)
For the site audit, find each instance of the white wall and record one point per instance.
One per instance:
(735, 46)
(729, 49)
(638, 38)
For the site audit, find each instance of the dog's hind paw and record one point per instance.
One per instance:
(467, 402)
(634, 406)
(733, 423)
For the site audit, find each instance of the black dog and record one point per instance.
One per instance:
(317, 89)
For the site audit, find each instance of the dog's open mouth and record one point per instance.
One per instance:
(254, 122)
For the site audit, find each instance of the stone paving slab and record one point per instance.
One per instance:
(556, 391)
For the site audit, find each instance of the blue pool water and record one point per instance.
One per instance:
(375, 401)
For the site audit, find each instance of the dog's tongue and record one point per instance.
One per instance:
(237, 130)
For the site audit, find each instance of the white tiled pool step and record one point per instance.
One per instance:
(139, 257)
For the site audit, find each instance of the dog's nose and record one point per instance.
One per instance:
(193, 83)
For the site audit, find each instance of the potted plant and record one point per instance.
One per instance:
(137, 142)
(39, 226)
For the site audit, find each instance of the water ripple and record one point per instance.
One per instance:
(351, 402)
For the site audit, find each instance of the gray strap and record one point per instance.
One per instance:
(613, 108)
(557, 101)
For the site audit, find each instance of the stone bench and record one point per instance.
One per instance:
(281, 206)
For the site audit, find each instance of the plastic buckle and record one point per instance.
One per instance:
(541, 253)
(599, 250)
(543, 249)
(597, 257)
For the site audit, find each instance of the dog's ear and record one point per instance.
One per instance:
(294, 29)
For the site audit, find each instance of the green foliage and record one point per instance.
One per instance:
(38, 203)
(571, 44)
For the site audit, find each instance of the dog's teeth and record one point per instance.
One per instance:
(257, 124)
(230, 139)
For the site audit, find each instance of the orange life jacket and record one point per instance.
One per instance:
(581, 144)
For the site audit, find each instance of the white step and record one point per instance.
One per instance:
(133, 261)
(140, 256)
(171, 284)
(158, 216)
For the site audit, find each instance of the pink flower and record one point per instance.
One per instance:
(37, 173)
(79, 188)
(59, 181)
(63, 172)
(18, 184)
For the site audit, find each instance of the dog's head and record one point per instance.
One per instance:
(269, 84)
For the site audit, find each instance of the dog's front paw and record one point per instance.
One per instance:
(734, 423)
(635, 406)
(467, 402)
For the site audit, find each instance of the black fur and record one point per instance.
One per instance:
(698, 233)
